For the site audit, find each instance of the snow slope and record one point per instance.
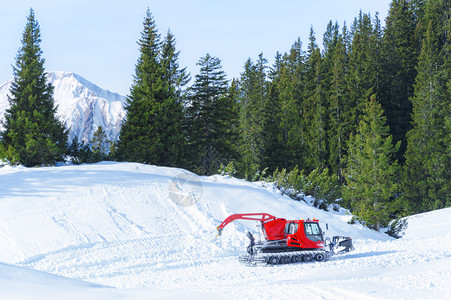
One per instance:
(119, 225)
(82, 106)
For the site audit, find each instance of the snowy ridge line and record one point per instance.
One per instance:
(81, 105)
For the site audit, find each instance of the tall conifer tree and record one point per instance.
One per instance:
(254, 93)
(362, 66)
(371, 176)
(210, 115)
(400, 50)
(428, 155)
(32, 130)
(275, 150)
(175, 79)
(152, 132)
(315, 119)
(340, 110)
(292, 101)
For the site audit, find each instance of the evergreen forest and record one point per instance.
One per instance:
(362, 121)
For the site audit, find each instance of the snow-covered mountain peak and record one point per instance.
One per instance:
(82, 105)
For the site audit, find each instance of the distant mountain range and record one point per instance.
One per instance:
(82, 106)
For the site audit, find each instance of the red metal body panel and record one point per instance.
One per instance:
(275, 229)
(299, 238)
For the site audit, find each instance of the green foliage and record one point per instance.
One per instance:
(290, 183)
(112, 152)
(211, 118)
(33, 135)
(9, 155)
(290, 87)
(314, 118)
(399, 57)
(227, 170)
(371, 175)
(253, 106)
(339, 109)
(82, 154)
(363, 67)
(428, 156)
(152, 132)
(99, 145)
(323, 187)
(74, 151)
(397, 228)
(319, 184)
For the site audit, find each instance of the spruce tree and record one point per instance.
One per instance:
(152, 132)
(340, 110)
(210, 115)
(175, 79)
(254, 87)
(232, 133)
(428, 155)
(315, 119)
(274, 148)
(33, 134)
(74, 151)
(362, 66)
(100, 144)
(400, 50)
(371, 174)
(270, 117)
(292, 102)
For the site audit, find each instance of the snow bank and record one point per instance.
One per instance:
(431, 224)
(19, 283)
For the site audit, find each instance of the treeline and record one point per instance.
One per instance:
(364, 120)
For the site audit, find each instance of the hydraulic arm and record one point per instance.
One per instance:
(262, 217)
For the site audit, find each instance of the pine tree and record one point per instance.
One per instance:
(254, 94)
(274, 148)
(270, 118)
(210, 116)
(292, 102)
(74, 151)
(315, 119)
(371, 175)
(428, 155)
(340, 110)
(400, 50)
(232, 134)
(152, 132)
(32, 131)
(175, 79)
(362, 66)
(100, 144)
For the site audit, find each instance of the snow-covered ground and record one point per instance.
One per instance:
(120, 231)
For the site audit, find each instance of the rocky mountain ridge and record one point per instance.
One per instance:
(82, 106)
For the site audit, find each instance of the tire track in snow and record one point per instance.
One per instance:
(64, 221)
(102, 196)
(107, 259)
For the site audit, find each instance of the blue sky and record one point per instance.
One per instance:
(97, 38)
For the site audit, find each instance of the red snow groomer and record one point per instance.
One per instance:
(288, 241)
